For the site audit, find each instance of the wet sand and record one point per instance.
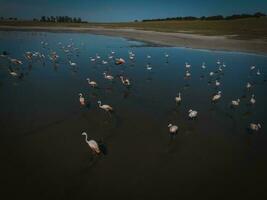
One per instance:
(225, 43)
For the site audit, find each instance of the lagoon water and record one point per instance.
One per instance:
(44, 155)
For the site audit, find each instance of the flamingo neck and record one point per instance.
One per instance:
(86, 138)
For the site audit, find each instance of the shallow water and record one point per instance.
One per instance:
(44, 155)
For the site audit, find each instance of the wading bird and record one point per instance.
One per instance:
(178, 99)
(217, 96)
(192, 114)
(254, 127)
(73, 64)
(119, 61)
(81, 99)
(91, 83)
(105, 107)
(172, 128)
(108, 77)
(93, 145)
(235, 102)
(252, 99)
(125, 81)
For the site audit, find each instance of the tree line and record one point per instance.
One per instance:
(59, 19)
(216, 17)
(8, 18)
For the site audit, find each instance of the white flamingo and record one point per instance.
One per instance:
(217, 83)
(172, 128)
(104, 62)
(148, 67)
(252, 99)
(93, 145)
(192, 113)
(125, 81)
(97, 56)
(108, 77)
(91, 83)
(16, 61)
(252, 67)
(105, 107)
(187, 74)
(258, 72)
(254, 127)
(12, 73)
(235, 102)
(248, 86)
(73, 64)
(120, 61)
(178, 99)
(203, 65)
(217, 96)
(187, 65)
(81, 99)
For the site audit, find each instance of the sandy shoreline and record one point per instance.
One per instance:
(163, 38)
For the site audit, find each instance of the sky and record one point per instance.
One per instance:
(125, 10)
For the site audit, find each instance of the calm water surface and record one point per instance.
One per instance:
(44, 155)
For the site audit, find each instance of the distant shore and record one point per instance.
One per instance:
(195, 41)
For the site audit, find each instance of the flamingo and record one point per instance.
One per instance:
(217, 96)
(148, 67)
(104, 62)
(187, 65)
(217, 83)
(97, 56)
(81, 99)
(248, 86)
(192, 113)
(125, 81)
(235, 102)
(119, 61)
(91, 83)
(172, 128)
(105, 107)
(108, 77)
(93, 145)
(73, 64)
(16, 61)
(258, 72)
(178, 99)
(187, 74)
(12, 73)
(254, 127)
(253, 100)
(203, 65)
(28, 55)
(252, 67)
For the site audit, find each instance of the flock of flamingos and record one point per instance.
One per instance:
(95, 146)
